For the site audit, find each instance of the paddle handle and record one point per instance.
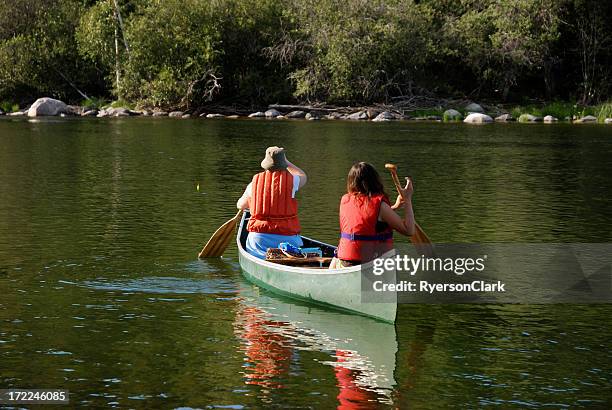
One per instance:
(238, 215)
(393, 170)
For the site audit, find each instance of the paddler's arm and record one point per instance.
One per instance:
(294, 170)
(387, 213)
(243, 202)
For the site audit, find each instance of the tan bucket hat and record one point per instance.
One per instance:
(275, 159)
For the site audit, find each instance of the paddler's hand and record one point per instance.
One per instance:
(408, 189)
(399, 202)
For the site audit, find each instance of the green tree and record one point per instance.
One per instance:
(38, 53)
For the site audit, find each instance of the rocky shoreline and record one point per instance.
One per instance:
(471, 113)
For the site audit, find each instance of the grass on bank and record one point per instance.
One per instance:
(8, 107)
(565, 110)
(94, 103)
(558, 109)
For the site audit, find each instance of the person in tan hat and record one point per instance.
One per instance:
(270, 197)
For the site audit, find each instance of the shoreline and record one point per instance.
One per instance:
(463, 111)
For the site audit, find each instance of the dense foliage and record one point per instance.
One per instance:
(184, 53)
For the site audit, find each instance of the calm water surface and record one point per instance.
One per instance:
(101, 294)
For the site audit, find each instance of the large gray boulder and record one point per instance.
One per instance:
(473, 107)
(359, 115)
(272, 113)
(452, 115)
(477, 118)
(48, 107)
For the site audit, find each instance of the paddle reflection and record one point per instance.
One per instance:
(275, 331)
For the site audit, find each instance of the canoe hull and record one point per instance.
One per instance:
(336, 288)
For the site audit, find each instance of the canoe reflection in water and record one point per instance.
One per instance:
(275, 332)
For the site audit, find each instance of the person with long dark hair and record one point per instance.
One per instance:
(367, 218)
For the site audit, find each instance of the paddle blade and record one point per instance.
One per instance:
(219, 241)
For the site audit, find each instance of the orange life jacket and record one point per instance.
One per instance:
(359, 240)
(273, 210)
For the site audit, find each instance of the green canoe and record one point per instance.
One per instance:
(336, 288)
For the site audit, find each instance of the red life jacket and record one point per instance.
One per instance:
(359, 240)
(273, 210)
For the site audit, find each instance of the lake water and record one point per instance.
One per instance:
(101, 293)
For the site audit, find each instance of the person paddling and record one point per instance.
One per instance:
(367, 218)
(270, 197)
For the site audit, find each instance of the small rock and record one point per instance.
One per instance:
(119, 112)
(185, 116)
(257, 114)
(474, 108)
(89, 113)
(75, 110)
(385, 116)
(504, 118)
(271, 113)
(176, 114)
(214, 115)
(280, 117)
(452, 115)
(550, 118)
(359, 115)
(433, 118)
(17, 114)
(477, 118)
(47, 106)
(102, 114)
(334, 116)
(296, 114)
(203, 115)
(588, 118)
(312, 116)
(146, 113)
(372, 113)
(608, 121)
(159, 114)
(233, 117)
(529, 118)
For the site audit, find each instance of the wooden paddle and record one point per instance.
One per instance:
(218, 242)
(419, 237)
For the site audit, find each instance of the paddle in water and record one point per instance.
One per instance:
(420, 238)
(218, 242)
